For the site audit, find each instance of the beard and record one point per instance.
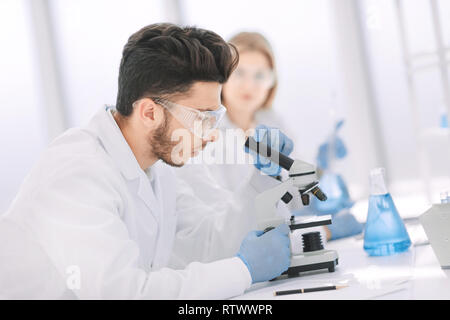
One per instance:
(161, 143)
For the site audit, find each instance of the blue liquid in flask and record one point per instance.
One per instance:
(384, 234)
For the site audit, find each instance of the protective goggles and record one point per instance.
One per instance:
(200, 123)
(261, 77)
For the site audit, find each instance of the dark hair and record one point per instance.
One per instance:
(164, 59)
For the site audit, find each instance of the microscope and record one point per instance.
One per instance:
(303, 177)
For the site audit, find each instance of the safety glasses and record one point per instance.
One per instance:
(200, 123)
(264, 78)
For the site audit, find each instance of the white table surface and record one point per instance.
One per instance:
(414, 274)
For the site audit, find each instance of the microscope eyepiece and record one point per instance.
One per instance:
(265, 151)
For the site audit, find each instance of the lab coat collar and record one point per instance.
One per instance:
(105, 127)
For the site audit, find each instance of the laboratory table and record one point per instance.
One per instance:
(414, 274)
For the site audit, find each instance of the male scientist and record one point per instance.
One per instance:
(96, 216)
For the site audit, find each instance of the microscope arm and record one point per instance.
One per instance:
(266, 205)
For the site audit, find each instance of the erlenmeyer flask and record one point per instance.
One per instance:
(384, 233)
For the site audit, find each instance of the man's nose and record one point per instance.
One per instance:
(248, 85)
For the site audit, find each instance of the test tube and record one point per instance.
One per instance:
(445, 197)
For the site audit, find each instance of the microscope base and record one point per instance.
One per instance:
(310, 261)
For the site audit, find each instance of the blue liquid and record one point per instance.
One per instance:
(385, 234)
(444, 121)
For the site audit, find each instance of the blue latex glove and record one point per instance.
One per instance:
(266, 255)
(339, 152)
(323, 157)
(334, 187)
(275, 139)
(344, 225)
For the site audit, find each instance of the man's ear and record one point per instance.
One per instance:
(148, 112)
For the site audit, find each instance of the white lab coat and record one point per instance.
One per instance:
(88, 205)
(229, 190)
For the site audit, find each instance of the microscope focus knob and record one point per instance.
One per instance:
(287, 197)
(312, 241)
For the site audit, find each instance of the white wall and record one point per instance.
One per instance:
(22, 127)
(90, 36)
(389, 76)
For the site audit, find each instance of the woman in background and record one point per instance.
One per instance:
(251, 89)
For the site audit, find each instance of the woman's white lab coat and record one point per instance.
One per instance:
(221, 184)
(96, 215)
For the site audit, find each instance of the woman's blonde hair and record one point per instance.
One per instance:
(254, 41)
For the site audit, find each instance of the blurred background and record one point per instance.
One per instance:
(382, 65)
